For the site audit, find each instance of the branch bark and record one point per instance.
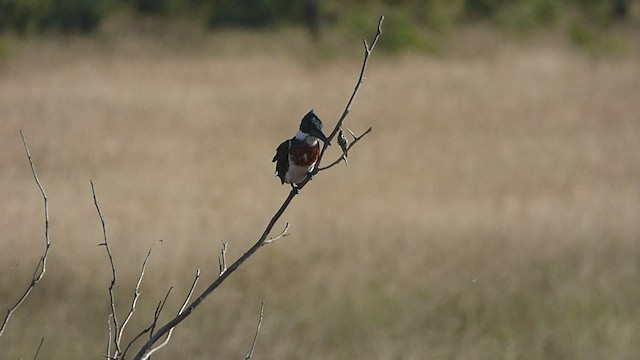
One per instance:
(41, 267)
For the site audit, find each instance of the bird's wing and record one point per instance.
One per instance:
(282, 159)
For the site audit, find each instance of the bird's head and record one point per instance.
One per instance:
(312, 125)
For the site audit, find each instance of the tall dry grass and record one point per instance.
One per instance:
(492, 214)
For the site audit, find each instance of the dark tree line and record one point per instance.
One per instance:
(23, 17)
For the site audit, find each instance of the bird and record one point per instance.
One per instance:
(296, 157)
(344, 145)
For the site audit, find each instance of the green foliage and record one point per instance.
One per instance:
(74, 15)
(411, 24)
(24, 16)
(255, 13)
(483, 8)
(526, 15)
(6, 46)
(20, 16)
(442, 15)
(402, 32)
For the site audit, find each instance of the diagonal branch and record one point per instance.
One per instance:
(41, 267)
(147, 348)
(39, 347)
(144, 351)
(113, 315)
(367, 53)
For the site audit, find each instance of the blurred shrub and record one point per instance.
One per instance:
(526, 15)
(414, 24)
(6, 46)
(255, 13)
(24, 16)
(20, 16)
(74, 15)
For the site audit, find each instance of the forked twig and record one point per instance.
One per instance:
(136, 292)
(147, 349)
(159, 309)
(41, 267)
(284, 233)
(184, 304)
(255, 338)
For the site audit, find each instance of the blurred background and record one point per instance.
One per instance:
(491, 214)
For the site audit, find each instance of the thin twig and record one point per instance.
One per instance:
(41, 267)
(147, 349)
(193, 286)
(114, 316)
(184, 304)
(109, 335)
(255, 338)
(144, 331)
(159, 310)
(35, 357)
(284, 233)
(157, 314)
(136, 292)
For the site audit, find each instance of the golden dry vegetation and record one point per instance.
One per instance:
(493, 213)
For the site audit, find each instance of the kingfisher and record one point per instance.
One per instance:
(295, 158)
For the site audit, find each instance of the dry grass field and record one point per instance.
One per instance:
(493, 212)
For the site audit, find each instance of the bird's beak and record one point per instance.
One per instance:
(320, 135)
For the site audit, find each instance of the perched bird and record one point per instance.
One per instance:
(296, 157)
(344, 145)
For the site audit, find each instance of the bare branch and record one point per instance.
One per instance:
(41, 267)
(284, 233)
(255, 338)
(184, 304)
(136, 292)
(148, 349)
(367, 53)
(152, 326)
(35, 357)
(159, 310)
(193, 286)
(361, 77)
(108, 355)
(114, 317)
(145, 351)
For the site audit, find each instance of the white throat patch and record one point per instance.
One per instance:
(311, 140)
